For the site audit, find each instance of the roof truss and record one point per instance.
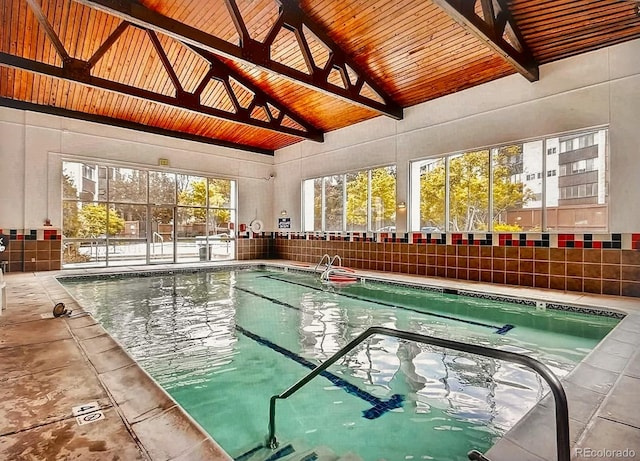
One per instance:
(356, 87)
(256, 109)
(497, 28)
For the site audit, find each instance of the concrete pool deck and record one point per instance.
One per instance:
(52, 365)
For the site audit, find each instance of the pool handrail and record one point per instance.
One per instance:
(324, 256)
(334, 259)
(562, 410)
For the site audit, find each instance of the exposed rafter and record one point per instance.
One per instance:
(497, 29)
(52, 110)
(355, 87)
(260, 111)
(272, 110)
(76, 72)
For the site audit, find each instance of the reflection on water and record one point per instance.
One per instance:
(182, 329)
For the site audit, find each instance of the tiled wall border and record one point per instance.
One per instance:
(620, 241)
(45, 233)
(579, 262)
(610, 268)
(32, 249)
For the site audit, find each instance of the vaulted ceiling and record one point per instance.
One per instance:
(263, 74)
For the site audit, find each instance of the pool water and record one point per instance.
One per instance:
(222, 343)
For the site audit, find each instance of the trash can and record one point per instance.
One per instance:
(202, 250)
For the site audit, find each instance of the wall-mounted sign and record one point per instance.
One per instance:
(284, 223)
(4, 242)
(163, 161)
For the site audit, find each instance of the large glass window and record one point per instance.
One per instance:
(333, 204)
(383, 197)
(517, 172)
(469, 191)
(577, 198)
(429, 195)
(358, 201)
(118, 215)
(557, 183)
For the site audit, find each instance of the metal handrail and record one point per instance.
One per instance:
(324, 256)
(334, 259)
(562, 410)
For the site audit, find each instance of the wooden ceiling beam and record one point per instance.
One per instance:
(106, 120)
(491, 29)
(48, 30)
(255, 53)
(223, 73)
(78, 71)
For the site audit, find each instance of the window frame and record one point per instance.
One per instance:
(308, 203)
(551, 171)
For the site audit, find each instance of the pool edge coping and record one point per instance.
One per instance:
(165, 410)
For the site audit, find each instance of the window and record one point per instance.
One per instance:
(529, 191)
(139, 216)
(333, 203)
(514, 201)
(576, 200)
(469, 191)
(579, 191)
(428, 193)
(357, 201)
(360, 201)
(577, 142)
(88, 172)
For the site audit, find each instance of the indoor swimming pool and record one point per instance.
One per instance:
(223, 342)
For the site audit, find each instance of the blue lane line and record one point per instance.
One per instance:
(379, 406)
(499, 330)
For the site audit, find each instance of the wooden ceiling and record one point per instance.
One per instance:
(263, 74)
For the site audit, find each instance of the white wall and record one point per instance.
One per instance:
(33, 146)
(597, 88)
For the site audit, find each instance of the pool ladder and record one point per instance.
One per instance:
(562, 410)
(330, 261)
(331, 268)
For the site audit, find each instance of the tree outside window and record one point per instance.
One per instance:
(359, 201)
